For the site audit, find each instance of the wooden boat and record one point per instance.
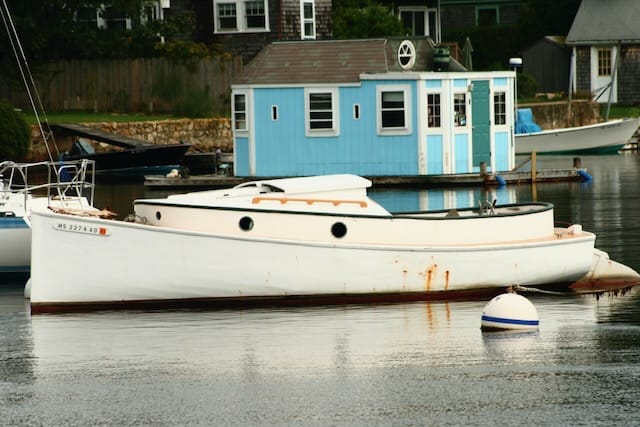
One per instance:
(296, 240)
(601, 138)
(135, 160)
(25, 187)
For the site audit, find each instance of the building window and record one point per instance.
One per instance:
(274, 113)
(460, 109)
(433, 110)
(419, 21)
(115, 18)
(227, 16)
(499, 108)
(356, 111)
(308, 19)
(321, 112)
(487, 16)
(240, 15)
(240, 112)
(393, 106)
(406, 55)
(604, 62)
(255, 17)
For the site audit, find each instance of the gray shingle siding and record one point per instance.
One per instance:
(628, 81)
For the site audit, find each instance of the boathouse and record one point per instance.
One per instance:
(375, 107)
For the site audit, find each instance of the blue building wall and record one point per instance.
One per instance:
(279, 145)
(282, 148)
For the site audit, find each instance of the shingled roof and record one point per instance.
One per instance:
(333, 61)
(610, 21)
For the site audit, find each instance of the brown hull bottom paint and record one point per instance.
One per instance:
(615, 287)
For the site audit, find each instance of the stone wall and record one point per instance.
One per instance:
(204, 134)
(209, 134)
(554, 115)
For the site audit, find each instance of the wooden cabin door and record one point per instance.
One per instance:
(480, 123)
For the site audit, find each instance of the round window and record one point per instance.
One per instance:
(338, 230)
(246, 223)
(406, 55)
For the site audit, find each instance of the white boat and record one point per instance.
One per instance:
(600, 138)
(295, 240)
(25, 187)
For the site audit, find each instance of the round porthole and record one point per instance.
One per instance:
(246, 223)
(338, 230)
(406, 55)
(158, 215)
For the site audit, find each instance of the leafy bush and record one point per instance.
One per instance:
(15, 134)
(527, 86)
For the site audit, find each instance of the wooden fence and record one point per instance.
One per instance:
(131, 86)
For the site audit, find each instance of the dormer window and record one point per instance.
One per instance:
(406, 55)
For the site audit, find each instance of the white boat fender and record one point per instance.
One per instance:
(584, 175)
(509, 311)
(27, 289)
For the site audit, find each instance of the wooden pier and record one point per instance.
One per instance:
(526, 172)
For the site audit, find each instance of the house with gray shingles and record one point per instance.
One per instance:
(375, 107)
(605, 40)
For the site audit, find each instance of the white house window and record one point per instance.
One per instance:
(321, 112)
(499, 108)
(240, 15)
(434, 117)
(240, 112)
(227, 16)
(308, 20)
(604, 62)
(393, 105)
(419, 21)
(406, 55)
(255, 17)
(460, 109)
(115, 18)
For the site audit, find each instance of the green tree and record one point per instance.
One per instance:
(354, 19)
(66, 29)
(15, 134)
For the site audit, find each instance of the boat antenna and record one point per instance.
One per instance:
(29, 83)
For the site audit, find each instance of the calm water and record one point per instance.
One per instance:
(402, 364)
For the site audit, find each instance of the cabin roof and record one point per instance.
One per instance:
(599, 22)
(333, 61)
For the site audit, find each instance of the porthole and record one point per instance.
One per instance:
(338, 230)
(406, 55)
(158, 215)
(246, 223)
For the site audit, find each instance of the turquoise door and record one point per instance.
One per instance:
(481, 123)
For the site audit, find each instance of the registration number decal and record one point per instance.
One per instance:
(81, 228)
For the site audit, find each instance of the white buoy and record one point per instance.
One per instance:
(509, 311)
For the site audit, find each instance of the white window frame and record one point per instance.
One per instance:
(426, 12)
(304, 21)
(241, 17)
(407, 102)
(246, 111)
(335, 113)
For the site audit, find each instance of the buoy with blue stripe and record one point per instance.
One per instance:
(509, 311)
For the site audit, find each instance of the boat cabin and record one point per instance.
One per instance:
(375, 107)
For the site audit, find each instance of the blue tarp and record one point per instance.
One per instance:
(525, 122)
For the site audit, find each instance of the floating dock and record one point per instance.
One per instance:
(525, 173)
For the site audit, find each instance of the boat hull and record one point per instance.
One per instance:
(15, 251)
(135, 263)
(139, 158)
(601, 138)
